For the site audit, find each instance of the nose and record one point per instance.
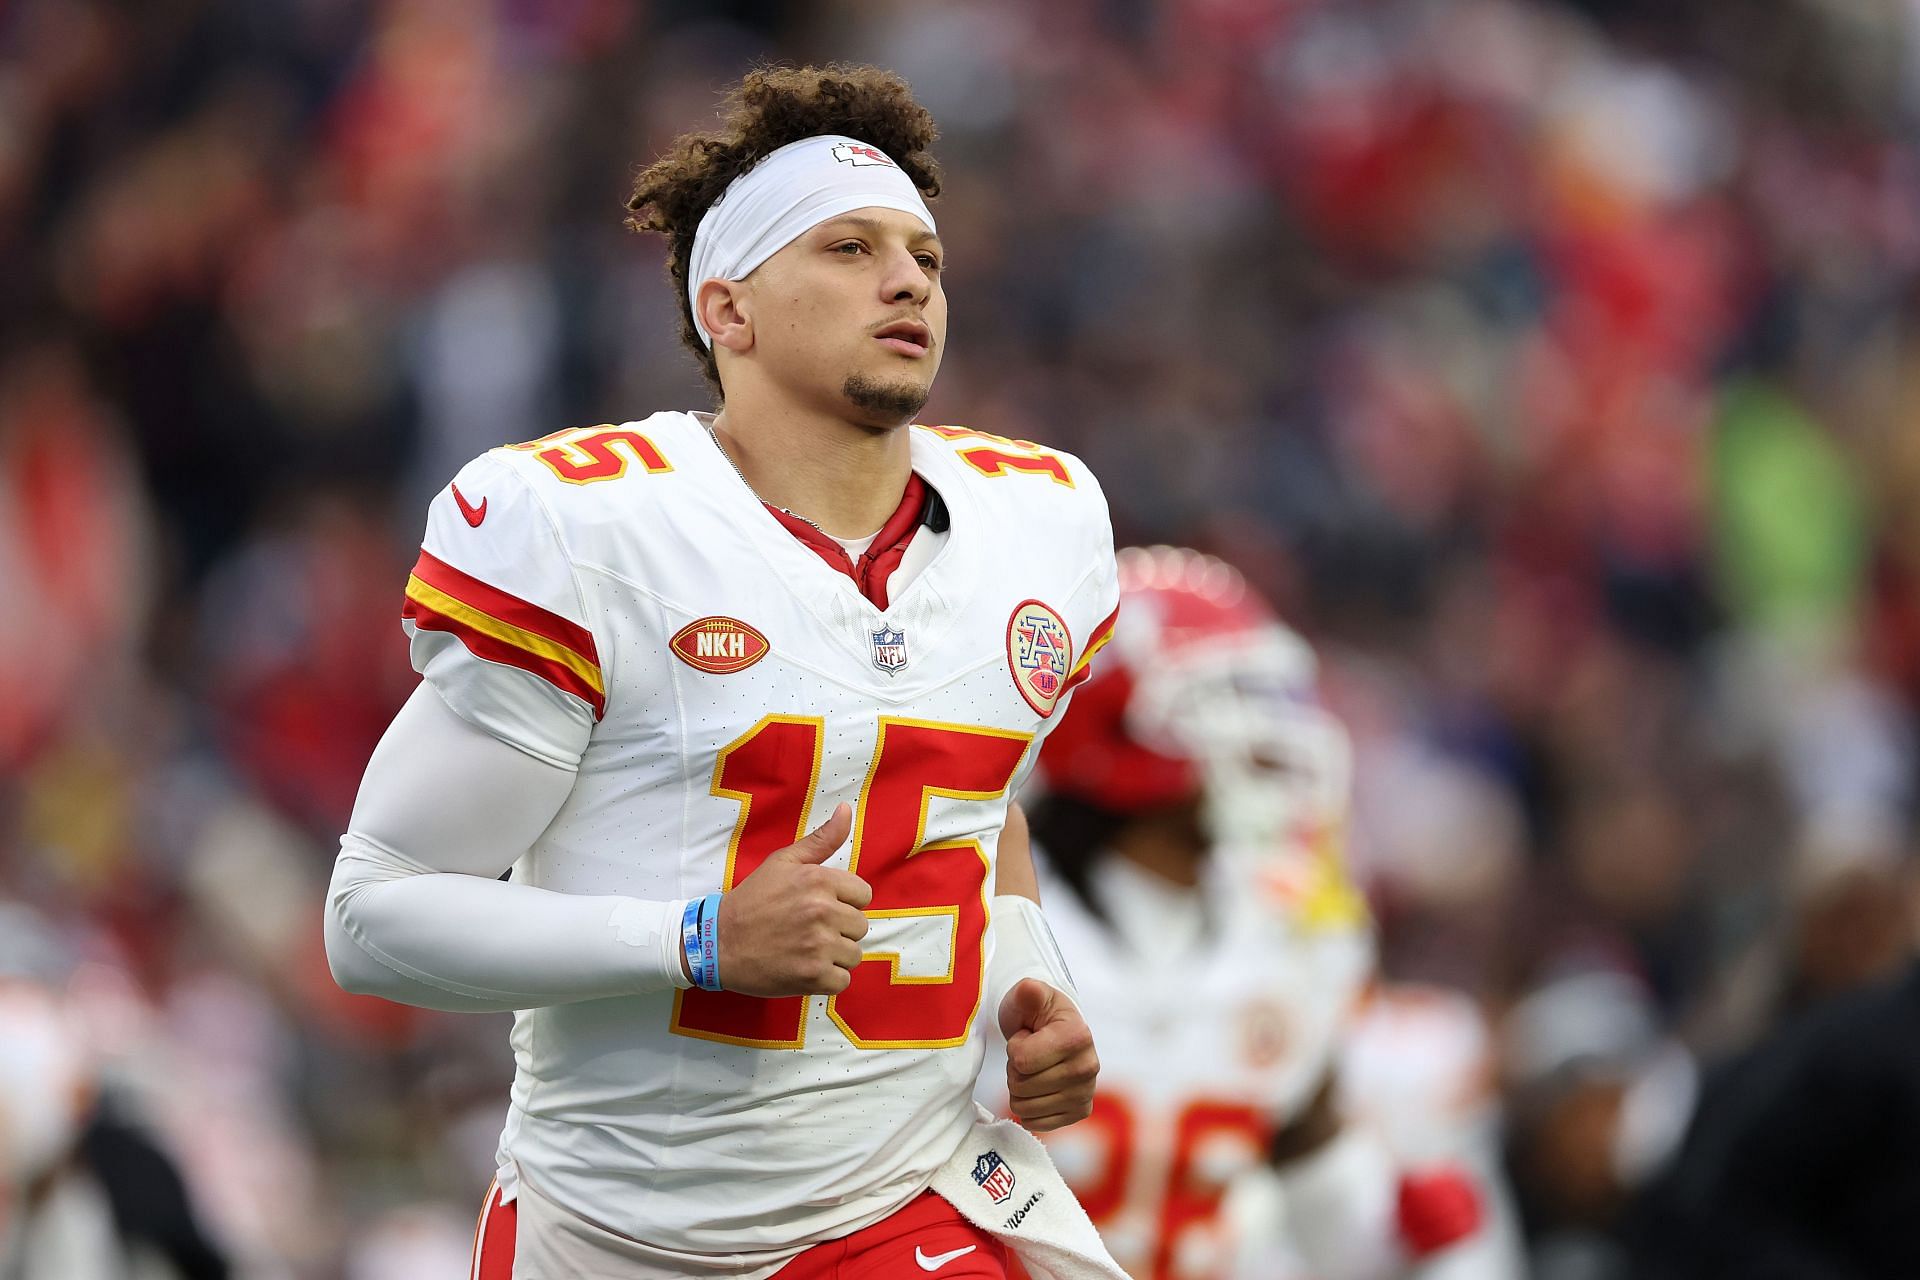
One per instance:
(904, 280)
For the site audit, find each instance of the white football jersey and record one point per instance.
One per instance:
(616, 598)
(1416, 1063)
(1217, 1014)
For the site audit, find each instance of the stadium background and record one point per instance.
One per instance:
(1553, 364)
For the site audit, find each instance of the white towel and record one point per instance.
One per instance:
(1003, 1181)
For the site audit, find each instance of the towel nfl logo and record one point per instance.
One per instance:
(993, 1175)
(889, 649)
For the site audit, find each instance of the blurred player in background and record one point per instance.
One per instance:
(86, 1192)
(657, 656)
(1190, 834)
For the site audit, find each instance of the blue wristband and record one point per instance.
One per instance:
(709, 975)
(690, 937)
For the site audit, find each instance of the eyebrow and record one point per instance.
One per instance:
(874, 226)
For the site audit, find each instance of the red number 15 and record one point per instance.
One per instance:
(773, 771)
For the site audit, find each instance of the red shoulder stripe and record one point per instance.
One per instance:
(1096, 642)
(510, 609)
(482, 645)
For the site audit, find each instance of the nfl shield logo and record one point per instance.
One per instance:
(991, 1172)
(889, 649)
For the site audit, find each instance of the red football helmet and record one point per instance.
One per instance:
(1203, 693)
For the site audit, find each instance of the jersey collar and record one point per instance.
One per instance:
(920, 505)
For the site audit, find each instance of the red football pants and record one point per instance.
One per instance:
(926, 1236)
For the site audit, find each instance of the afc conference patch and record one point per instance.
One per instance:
(1039, 653)
(993, 1176)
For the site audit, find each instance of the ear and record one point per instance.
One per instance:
(723, 306)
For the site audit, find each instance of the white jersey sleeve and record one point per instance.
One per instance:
(496, 618)
(416, 912)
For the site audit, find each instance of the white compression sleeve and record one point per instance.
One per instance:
(1023, 947)
(416, 912)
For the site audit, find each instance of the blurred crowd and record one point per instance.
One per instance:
(1556, 365)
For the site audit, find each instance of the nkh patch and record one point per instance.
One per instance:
(1039, 653)
(993, 1176)
(889, 649)
(718, 646)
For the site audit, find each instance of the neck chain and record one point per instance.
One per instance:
(715, 437)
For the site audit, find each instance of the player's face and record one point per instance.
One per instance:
(851, 316)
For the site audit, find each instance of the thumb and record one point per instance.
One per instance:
(824, 840)
(1025, 1007)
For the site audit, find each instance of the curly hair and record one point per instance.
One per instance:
(770, 108)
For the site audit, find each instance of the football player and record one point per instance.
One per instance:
(1190, 832)
(739, 699)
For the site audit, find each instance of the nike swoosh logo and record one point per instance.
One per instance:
(933, 1262)
(473, 514)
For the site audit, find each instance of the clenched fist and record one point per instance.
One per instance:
(793, 927)
(1051, 1065)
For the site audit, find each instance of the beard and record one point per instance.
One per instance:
(896, 401)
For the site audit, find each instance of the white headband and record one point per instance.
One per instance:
(787, 194)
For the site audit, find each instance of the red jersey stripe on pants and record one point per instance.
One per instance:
(493, 1237)
(925, 1237)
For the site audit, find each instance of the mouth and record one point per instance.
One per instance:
(906, 337)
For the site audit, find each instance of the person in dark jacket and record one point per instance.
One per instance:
(1803, 1159)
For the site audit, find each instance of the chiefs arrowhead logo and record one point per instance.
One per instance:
(860, 155)
(719, 646)
(473, 514)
